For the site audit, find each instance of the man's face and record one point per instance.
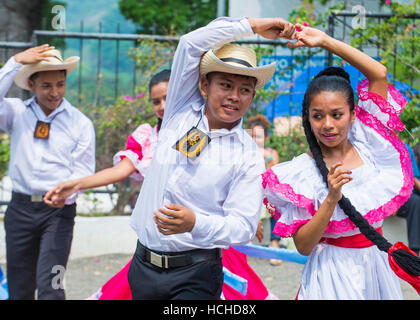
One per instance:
(228, 98)
(49, 88)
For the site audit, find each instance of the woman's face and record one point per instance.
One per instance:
(158, 98)
(258, 135)
(330, 118)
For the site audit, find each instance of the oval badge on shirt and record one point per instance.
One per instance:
(42, 130)
(192, 143)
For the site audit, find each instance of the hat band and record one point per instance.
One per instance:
(239, 61)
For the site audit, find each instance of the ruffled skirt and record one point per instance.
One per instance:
(336, 273)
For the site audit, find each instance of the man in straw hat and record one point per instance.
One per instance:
(50, 141)
(203, 189)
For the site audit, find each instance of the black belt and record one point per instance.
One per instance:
(27, 198)
(167, 260)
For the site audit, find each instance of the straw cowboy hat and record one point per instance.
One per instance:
(235, 59)
(50, 64)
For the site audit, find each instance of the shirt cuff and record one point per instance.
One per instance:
(11, 63)
(247, 26)
(72, 199)
(199, 226)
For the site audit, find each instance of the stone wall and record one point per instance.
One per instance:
(18, 20)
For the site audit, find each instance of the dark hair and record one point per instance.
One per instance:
(162, 76)
(259, 120)
(337, 80)
(35, 75)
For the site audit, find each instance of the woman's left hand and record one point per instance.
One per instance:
(307, 37)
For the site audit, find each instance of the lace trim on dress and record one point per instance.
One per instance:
(271, 180)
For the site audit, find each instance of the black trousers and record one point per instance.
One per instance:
(199, 281)
(411, 212)
(38, 242)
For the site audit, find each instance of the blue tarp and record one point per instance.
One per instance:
(236, 282)
(292, 86)
(261, 252)
(4, 292)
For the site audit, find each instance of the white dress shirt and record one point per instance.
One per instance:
(223, 185)
(37, 165)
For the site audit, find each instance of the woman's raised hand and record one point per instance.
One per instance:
(307, 37)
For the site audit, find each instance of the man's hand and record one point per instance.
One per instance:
(177, 219)
(57, 196)
(273, 28)
(34, 55)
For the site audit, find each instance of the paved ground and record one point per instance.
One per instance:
(85, 276)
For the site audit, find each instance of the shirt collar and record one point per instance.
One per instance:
(238, 129)
(31, 102)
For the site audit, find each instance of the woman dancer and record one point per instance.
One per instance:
(334, 198)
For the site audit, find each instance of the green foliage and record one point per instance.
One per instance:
(306, 13)
(4, 150)
(151, 56)
(4, 153)
(115, 121)
(411, 118)
(169, 16)
(269, 92)
(48, 16)
(288, 146)
(399, 41)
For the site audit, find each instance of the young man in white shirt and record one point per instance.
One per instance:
(203, 189)
(50, 141)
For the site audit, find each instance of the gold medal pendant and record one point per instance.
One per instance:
(192, 143)
(42, 130)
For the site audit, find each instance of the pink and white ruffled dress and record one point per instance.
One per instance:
(294, 191)
(139, 148)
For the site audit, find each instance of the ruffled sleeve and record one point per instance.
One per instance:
(139, 149)
(372, 133)
(289, 194)
(385, 110)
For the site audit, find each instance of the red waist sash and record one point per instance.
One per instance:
(356, 241)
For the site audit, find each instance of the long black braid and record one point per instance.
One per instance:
(336, 79)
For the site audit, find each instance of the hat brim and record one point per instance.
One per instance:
(22, 77)
(263, 74)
